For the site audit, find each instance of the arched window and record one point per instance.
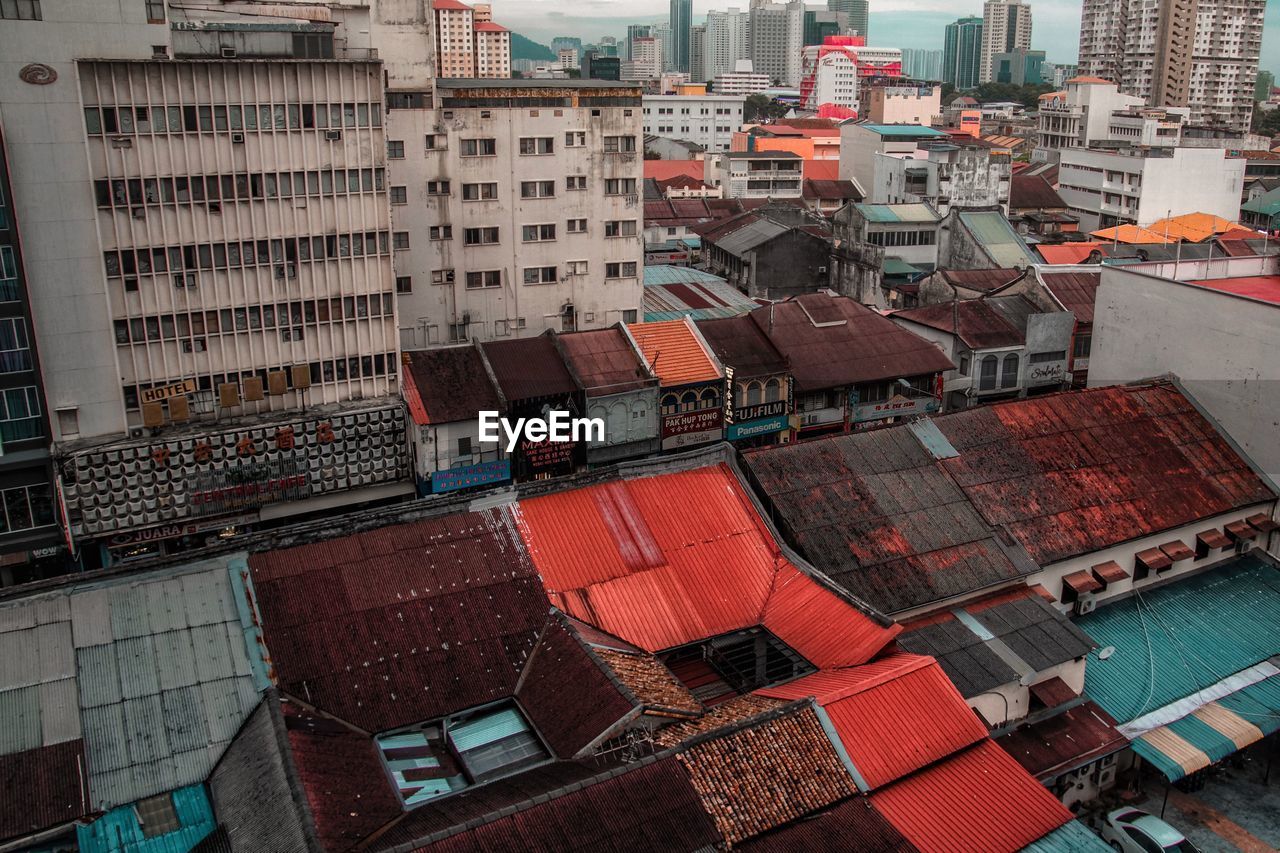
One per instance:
(772, 391)
(615, 424)
(670, 404)
(709, 399)
(987, 377)
(688, 401)
(753, 393)
(1009, 373)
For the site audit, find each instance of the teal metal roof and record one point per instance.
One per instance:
(1199, 630)
(673, 292)
(897, 212)
(897, 266)
(118, 831)
(666, 274)
(1073, 837)
(1267, 204)
(997, 238)
(904, 130)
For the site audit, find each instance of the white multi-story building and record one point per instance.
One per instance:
(210, 258)
(727, 42)
(518, 218)
(1173, 53)
(1141, 186)
(943, 175)
(777, 39)
(742, 80)
(468, 43)
(707, 120)
(832, 71)
(646, 59)
(1006, 27)
(750, 174)
(568, 57)
(1078, 116)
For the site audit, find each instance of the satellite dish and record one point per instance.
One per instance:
(1106, 652)
(1027, 679)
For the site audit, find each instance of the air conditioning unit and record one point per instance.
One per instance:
(333, 135)
(237, 138)
(1086, 603)
(228, 53)
(1106, 775)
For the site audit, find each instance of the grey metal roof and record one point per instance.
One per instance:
(750, 236)
(992, 231)
(152, 671)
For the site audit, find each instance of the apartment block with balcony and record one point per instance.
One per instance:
(517, 214)
(467, 41)
(1079, 115)
(762, 174)
(944, 175)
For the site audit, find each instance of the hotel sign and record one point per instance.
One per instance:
(179, 389)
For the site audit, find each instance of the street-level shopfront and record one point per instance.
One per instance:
(757, 409)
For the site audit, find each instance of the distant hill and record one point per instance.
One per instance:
(523, 48)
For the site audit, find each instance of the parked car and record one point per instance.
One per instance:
(1135, 831)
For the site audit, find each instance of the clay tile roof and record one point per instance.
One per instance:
(444, 385)
(768, 774)
(650, 680)
(674, 353)
(726, 713)
(604, 361)
(489, 27)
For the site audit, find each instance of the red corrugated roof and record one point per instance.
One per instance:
(818, 623)
(1067, 253)
(665, 169)
(893, 716)
(630, 558)
(674, 353)
(979, 800)
(1265, 288)
(821, 170)
(1075, 290)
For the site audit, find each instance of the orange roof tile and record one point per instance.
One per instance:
(1195, 227)
(821, 170)
(674, 352)
(1066, 253)
(664, 170)
(1131, 234)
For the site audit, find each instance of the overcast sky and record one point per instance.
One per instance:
(894, 23)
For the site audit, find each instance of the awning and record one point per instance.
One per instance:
(1177, 550)
(1240, 531)
(1214, 731)
(1081, 582)
(1213, 538)
(1109, 572)
(1053, 692)
(1263, 522)
(1154, 559)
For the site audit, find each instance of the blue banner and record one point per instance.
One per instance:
(467, 476)
(751, 429)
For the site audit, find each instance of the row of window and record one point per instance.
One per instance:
(684, 111)
(490, 235)
(15, 345)
(20, 414)
(20, 10)
(488, 191)
(336, 370)
(8, 275)
(248, 253)
(229, 117)
(168, 327)
(526, 145)
(198, 189)
(689, 401)
(902, 238)
(26, 508)
(670, 128)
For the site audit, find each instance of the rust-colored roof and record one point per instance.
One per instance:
(831, 190)
(1177, 550)
(1076, 472)
(974, 321)
(767, 774)
(528, 368)
(979, 800)
(445, 385)
(893, 716)
(1033, 192)
(1068, 253)
(1077, 736)
(982, 280)
(604, 361)
(854, 822)
(489, 27)
(628, 557)
(1075, 290)
(1110, 572)
(821, 170)
(674, 353)
(739, 343)
(450, 4)
(44, 787)
(665, 169)
(356, 625)
(650, 680)
(833, 341)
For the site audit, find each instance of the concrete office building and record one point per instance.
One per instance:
(1006, 27)
(777, 38)
(962, 53)
(646, 60)
(707, 120)
(681, 23)
(857, 11)
(922, 64)
(208, 248)
(634, 31)
(1172, 53)
(740, 81)
(727, 42)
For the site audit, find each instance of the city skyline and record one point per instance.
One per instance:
(895, 23)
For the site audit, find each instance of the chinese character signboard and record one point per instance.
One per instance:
(249, 486)
(685, 429)
(895, 407)
(484, 473)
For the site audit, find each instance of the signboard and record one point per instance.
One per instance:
(685, 429)
(1042, 374)
(249, 486)
(175, 531)
(894, 407)
(752, 429)
(547, 455)
(180, 389)
(775, 409)
(480, 474)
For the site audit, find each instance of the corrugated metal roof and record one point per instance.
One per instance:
(151, 671)
(528, 368)
(1075, 290)
(604, 361)
(903, 130)
(979, 800)
(634, 562)
(898, 212)
(451, 384)
(1077, 736)
(741, 344)
(43, 787)
(674, 292)
(993, 233)
(1224, 622)
(980, 325)
(674, 353)
(1072, 837)
(1073, 473)
(893, 716)
(749, 236)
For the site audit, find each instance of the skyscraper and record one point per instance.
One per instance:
(727, 41)
(698, 54)
(1177, 54)
(777, 39)
(922, 64)
(663, 33)
(858, 12)
(681, 22)
(634, 31)
(1006, 27)
(962, 53)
